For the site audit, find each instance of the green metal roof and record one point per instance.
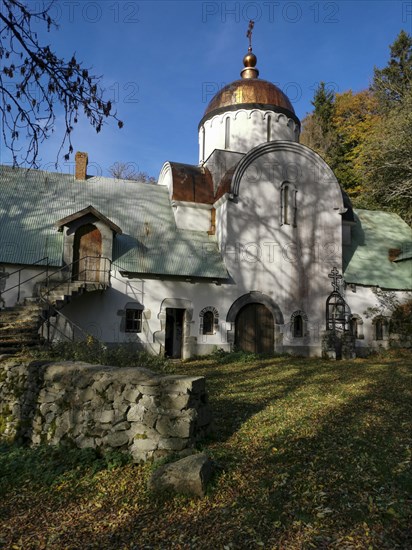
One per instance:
(366, 260)
(32, 201)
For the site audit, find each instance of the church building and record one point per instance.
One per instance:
(256, 247)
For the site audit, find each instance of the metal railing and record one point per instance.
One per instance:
(83, 277)
(20, 283)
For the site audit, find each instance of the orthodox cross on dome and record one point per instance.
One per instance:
(249, 61)
(336, 277)
(249, 34)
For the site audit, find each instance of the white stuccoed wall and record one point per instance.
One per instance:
(248, 128)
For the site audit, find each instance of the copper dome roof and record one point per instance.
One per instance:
(249, 91)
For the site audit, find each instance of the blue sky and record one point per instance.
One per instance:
(162, 62)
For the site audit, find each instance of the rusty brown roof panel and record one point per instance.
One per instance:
(225, 182)
(192, 183)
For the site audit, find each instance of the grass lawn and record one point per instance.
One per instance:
(311, 454)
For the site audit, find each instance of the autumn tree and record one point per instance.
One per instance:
(387, 157)
(129, 171)
(35, 81)
(387, 160)
(354, 118)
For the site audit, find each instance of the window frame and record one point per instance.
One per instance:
(136, 320)
(211, 322)
(288, 204)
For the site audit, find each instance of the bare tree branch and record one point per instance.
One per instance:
(34, 81)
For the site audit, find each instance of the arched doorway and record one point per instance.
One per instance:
(255, 329)
(87, 250)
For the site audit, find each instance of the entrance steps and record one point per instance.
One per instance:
(19, 327)
(61, 294)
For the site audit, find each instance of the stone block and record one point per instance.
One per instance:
(132, 395)
(135, 413)
(117, 439)
(180, 426)
(48, 396)
(140, 431)
(121, 426)
(189, 476)
(183, 384)
(84, 442)
(173, 443)
(174, 401)
(150, 418)
(144, 445)
(87, 394)
(149, 390)
(105, 417)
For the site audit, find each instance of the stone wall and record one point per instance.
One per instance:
(96, 406)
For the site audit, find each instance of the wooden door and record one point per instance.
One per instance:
(87, 250)
(254, 329)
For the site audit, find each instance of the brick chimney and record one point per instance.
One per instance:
(81, 165)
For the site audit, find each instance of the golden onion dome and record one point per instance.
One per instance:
(250, 92)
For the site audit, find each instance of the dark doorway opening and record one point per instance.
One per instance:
(174, 332)
(87, 250)
(255, 329)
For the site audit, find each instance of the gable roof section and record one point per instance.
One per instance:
(366, 260)
(88, 210)
(32, 201)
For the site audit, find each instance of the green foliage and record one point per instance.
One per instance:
(323, 102)
(225, 357)
(95, 352)
(401, 323)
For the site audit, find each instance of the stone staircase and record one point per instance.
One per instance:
(19, 327)
(61, 294)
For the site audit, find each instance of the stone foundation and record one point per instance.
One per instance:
(129, 409)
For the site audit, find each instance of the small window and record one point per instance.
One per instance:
(354, 327)
(227, 133)
(208, 322)
(288, 204)
(298, 326)
(133, 320)
(379, 329)
(269, 128)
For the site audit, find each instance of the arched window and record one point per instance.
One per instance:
(269, 128)
(298, 326)
(379, 329)
(227, 133)
(288, 205)
(354, 327)
(208, 322)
